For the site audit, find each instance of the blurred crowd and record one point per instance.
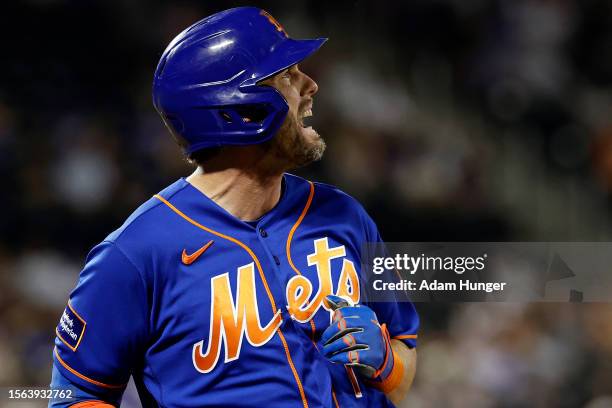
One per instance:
(449, 120)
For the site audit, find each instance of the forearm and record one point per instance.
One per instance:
(407, 356)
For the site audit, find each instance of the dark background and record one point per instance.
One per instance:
(450, 120)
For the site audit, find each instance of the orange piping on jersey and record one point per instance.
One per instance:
(314, 331)
(263, 278)
(297, 223)
(288, 249)
(231, 239)
(406, 336)
(295, 373)
(334, 398)
(82, 377)
(92, 404)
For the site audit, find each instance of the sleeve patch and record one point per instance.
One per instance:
(71, 328)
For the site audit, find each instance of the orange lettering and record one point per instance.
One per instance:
(298, 292)
(348, 284)
(228, 318)
(299, 288)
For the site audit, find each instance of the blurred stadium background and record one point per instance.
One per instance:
(450, 120)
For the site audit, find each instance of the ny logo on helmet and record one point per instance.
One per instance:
(274, 22)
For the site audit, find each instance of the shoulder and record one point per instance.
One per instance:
(342, 207)
(328, 193)
(149, 228)
(148, 220)
(141, 246)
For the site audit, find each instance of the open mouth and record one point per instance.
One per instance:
(304, 117)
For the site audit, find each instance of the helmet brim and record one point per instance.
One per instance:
(283, 56)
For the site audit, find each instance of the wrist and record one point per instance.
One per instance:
(390, 374)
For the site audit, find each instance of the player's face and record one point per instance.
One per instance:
(296, 142)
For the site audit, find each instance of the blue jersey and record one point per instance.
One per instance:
(203, 309)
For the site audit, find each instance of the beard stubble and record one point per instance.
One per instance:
(295, 148)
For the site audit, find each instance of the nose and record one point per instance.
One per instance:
(309, 86)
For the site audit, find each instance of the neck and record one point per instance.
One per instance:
(246, 192)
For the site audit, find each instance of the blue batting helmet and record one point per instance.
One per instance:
(206, 83)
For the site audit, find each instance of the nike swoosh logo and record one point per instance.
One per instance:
(189, 259)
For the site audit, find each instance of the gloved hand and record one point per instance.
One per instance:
(355, 338)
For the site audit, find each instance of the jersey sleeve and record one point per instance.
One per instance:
(397, 311)
(101, 332)
(77, 396)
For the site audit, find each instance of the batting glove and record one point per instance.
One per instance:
(355, 338)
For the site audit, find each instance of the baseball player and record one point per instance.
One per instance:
(240, 285)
